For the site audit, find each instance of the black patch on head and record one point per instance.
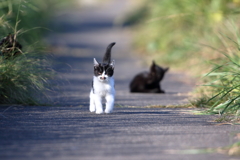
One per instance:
(100, 68)
(106, 66)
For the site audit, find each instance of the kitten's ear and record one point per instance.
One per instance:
(95, 62)
(166, 69)
(112, 64)
(153, 67)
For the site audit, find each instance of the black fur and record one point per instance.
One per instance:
(149, 82)
(107, 56)
(10, 47)
(98, 70)
(106, 64)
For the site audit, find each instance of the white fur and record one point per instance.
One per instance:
(102, 89)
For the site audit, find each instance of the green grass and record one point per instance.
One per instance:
(24, 79)
(28, 18)
(175, 33)
(224, 81)
(198, 37)
(221, 91)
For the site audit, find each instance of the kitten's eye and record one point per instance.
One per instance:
(99, 73)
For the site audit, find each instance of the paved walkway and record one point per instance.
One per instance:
(84, 35)
(68, 131)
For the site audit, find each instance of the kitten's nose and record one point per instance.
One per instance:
(103, 78)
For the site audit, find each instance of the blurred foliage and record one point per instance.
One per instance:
(24, 79)
(224, 82)
(199, 37)
(27, 16)
(172, 32)
(25, 68)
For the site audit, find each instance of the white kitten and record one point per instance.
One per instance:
(103, 84)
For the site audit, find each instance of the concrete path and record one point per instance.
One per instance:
(68, 131)
(83, 35)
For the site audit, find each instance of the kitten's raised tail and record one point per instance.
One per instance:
(107, 56)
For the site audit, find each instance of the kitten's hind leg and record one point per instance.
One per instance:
(109, 103)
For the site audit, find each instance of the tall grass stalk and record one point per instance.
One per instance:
(180, 34)
(224, 80)
(170, 31)
(24, 79)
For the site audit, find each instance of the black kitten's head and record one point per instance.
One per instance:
(157, 72)
(103, 71)
(9, 46)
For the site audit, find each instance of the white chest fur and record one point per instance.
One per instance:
(102, 89)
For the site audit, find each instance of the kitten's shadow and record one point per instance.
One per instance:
(171, 93)
(140, 112)
(166, 93)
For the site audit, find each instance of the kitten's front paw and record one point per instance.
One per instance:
(162, 91)
(108, 111)
(99, 112)
(92, 110)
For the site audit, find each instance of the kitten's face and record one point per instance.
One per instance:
(103, 71)
(158, 72)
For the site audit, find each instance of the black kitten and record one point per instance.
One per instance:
(149, 82)
(10, 47)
